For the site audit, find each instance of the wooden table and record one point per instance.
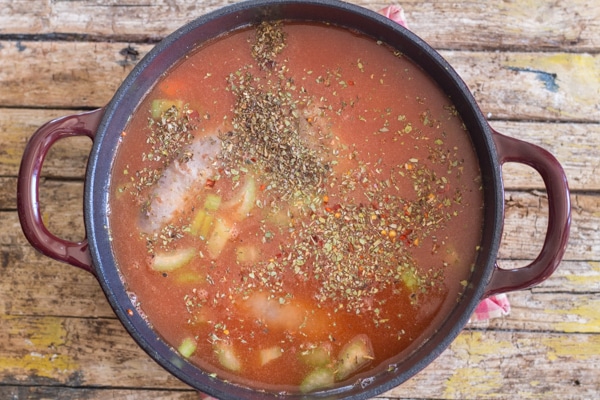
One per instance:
(534, 67)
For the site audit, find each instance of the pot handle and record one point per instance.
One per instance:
(74, 253)
(559, 216)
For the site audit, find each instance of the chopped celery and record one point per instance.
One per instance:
(246, 254)
(357, 353)
(218, 239)
(411, 280)
(170, 261)
(227, 357)
(245, 199)
(212, 202)
(269, 354)
(279, 218)
(203, 219)
(197, 222)
(159, 106)
(319, 378)
(202, 223)
(318, 356)
(206, 225)
(187, 347)
(185, 276)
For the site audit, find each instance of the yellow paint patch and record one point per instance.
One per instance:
(591, 279)
(36, 347)
(585, 318)
(473, 383)
(51, 366)
(477, 348)
(577, 76)
(580, 348)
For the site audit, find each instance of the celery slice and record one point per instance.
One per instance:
(248, 198)
(317, 357)
(206, 225)
(319, 378)
(212, 202)
(244, 199)
(197, 222)
(357, 353)
(227, 357)
(159, 106)
(269, 354)
(246, 255)
(221, 233)
(170, 261)
(185, 276)
(187, 347)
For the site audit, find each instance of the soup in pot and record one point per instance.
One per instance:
(293, 205)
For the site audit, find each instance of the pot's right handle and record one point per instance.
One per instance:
(559, 218)
(28, 204)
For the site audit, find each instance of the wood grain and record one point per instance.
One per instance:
(522, 86)
(532, 66)
(573, 144)
(522, 25)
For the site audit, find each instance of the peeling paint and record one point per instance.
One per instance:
(36, 364)
(579, 348)
(589, 279)
(39, 352)
(584, 318)
(473, 383)
(577, 78)
(477, 348)
(547, 78)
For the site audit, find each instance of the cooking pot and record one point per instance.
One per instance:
(104, 127)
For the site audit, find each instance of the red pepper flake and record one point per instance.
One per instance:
(210, 183)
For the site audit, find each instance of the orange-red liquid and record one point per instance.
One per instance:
(378, 110)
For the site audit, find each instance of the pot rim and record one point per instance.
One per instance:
(161, 58)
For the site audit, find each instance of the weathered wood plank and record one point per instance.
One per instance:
(67, 393)
(67, 158)
(99, 353)
(571, 277)
(76, 352)
(507, 365)
(573, 144)
(40, 73)
(550, 312)
(525, 86)
(521, 24)
(567, 301)
(536, 86)
(524, 228)
(562, 25)
(526, 221)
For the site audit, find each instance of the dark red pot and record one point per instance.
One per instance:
(105, 125)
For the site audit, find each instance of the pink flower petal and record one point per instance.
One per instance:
(396, 14)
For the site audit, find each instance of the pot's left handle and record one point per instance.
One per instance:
(30, 216)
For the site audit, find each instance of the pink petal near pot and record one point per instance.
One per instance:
(396, 14)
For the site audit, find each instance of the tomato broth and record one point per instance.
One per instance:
(293, 205)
